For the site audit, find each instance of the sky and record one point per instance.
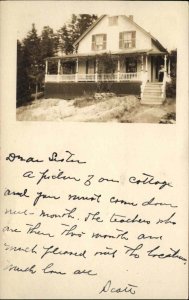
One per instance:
(163, 19)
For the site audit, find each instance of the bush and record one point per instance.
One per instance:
(171, 88)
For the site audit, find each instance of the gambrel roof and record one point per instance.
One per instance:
(154, 40)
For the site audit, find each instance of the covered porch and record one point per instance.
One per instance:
(97, 68)
(74, 75)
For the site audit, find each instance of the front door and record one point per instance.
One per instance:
(156, 62)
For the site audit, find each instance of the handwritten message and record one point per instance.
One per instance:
(63, 219)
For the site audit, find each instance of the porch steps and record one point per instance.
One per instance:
(152, 94)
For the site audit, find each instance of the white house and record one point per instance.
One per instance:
(115, 50)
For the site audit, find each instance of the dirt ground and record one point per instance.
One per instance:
(101, 108)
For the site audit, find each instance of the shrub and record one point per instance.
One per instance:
(171, 88)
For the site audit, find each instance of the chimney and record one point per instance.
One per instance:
(131, 17)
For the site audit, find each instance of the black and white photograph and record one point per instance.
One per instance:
(94, 150)
(76, 63)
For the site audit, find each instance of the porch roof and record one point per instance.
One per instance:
(72, 57)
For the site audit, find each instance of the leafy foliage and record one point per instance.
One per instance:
(171, 86)
(70, 32)
(22, 92)
(32, 51)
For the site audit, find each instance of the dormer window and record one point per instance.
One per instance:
(113, 20)
(98, 42)
(127, 39)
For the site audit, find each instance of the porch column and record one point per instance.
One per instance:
(142, 63)
(146, 69)
(58, 67)
(169, 66)
(76, 71)
(142, 67)
(165, 66)
(46, 66)
(58, 71)
(118, 69)
(96, 70)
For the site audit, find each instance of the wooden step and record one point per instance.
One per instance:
(151, 93)
(152, 88)
(154, 83)
(152, 97)
(152, 101)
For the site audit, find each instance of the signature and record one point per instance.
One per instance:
(128, 288)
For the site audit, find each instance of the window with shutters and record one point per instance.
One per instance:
(127, 39)
(98, 42)
(113, 20)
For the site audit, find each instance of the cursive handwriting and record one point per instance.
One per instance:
(12, 157)
(151, 202)
(108, 252)
(48, 270)
(71, 231)
(15, 268)
(115, 200)
(173, 254)
(56, 251)
(54, 157)
(9, 229)
(123, 219)
(43, 196)
(168, 220)
(122, 235)
(13, 193)
(149, 179)
(68, 214)
(60, 175)
(128, 288)
(85, 198)
(18, 212)
(20, 249)
(33, 229)
(133, 251)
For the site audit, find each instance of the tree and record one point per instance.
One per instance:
(48, 43)
(171, 86)
(22, 91)
(70, 32)
(33, 59)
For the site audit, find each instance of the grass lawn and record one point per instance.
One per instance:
(100, 108)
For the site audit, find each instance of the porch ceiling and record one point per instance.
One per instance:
(73, 57)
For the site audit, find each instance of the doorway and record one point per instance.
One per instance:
(156, 62)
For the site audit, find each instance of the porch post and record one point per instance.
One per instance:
(142, 63)
(96, 70)
(58, 71)
(118, 69)
(46, 66)
(169, 66)
(165, 62)
(165, 66)
(146, 63)
(142, 67)
(76, 71)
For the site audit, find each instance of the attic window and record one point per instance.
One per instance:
(127, 39)
(113, 20)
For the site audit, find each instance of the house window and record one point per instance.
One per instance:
(113, 20)
(127, 39)
(131, 65)
(98, 42)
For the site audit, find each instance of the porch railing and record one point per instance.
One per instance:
(85, 77)
(129, 76)
(92, 77)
